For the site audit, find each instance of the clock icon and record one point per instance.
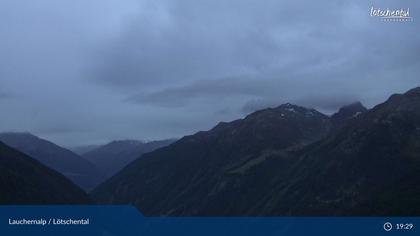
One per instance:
(387, 226)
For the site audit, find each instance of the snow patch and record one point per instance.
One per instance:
(357, 114)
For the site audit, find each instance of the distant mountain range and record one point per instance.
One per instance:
(80, 150)
(112, 157)
(288, 160)
(71, 165)
(98, 162)
(24, 180)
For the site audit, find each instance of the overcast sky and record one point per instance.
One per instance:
(90, 71)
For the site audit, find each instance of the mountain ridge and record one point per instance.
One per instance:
(224, 148)
(113, 156)
(24, 180)
(237, 169)
(76, 168)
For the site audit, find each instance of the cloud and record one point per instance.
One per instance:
(181, 96)
(177, 41)
(4, 95)
(175, 51)
(152, 69)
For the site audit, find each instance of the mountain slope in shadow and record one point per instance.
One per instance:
(197, 174)
(284, 161)
(77, 169)
(24, 180)
(370, 167)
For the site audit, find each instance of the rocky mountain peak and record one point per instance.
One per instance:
(348, 112)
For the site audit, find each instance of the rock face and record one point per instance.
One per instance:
(77, 169)
(24, 180)
(112, 157)
(284, 161)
